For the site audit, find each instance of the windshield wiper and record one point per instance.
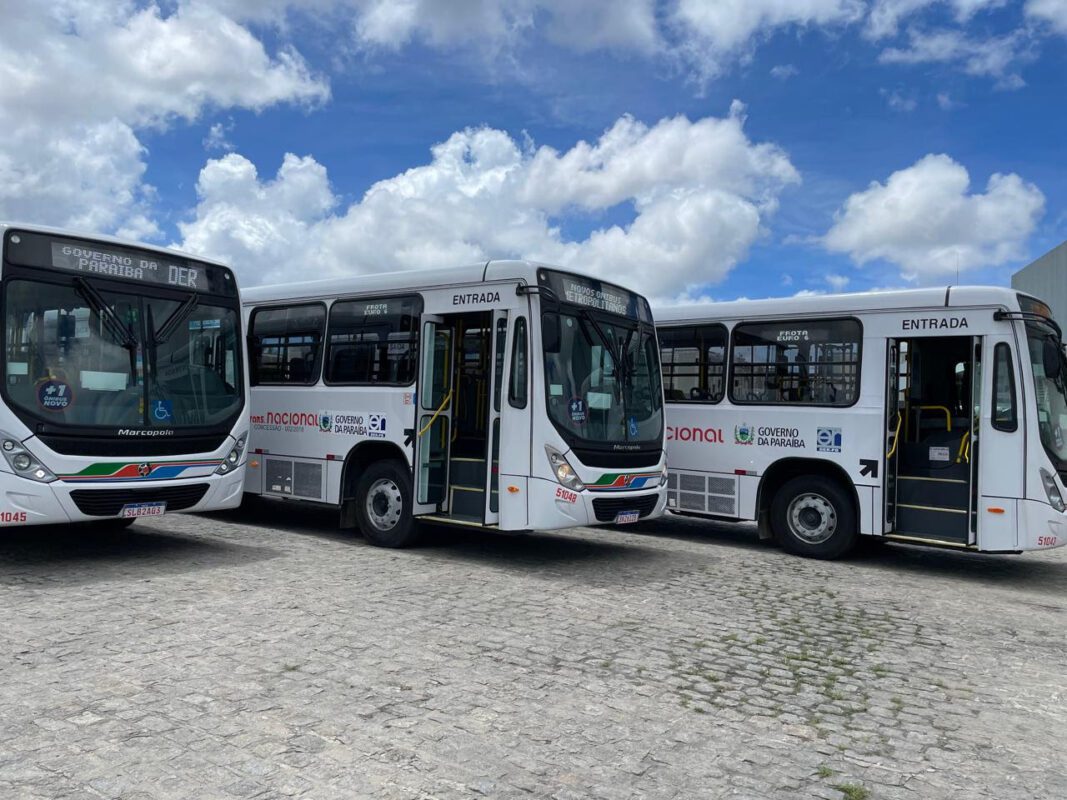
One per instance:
(179, 315)
(119, 330)
(115, 326)
(609, 345)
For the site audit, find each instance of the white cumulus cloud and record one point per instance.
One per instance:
(80, 78)
(583, 26)
(696, 194)
(715, 33)
(886, 16)
(926, 220)
(1053, 12)
(997, 57)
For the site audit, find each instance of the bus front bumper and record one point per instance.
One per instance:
(552, 506)
(27, 502)
(1042, 527)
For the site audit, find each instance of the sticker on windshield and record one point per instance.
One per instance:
(162, 410)
(53, 395)
(632, 424)
(578, 412)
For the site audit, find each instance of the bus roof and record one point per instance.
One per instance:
(99, 237)
(408, 280)
(843, 304)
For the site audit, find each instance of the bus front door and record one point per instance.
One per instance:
(492, 480)
(433, 422)
(1001, 470)
(931, 438)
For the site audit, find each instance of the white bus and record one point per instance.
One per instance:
(123, 380)
(507, 395)
(931, 416)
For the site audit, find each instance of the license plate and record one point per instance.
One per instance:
(143, 510)
(626, 516)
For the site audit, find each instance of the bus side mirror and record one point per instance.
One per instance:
(1051, 358)
(550, 334)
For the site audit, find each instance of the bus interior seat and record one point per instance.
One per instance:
(346, 364)
(298, 370)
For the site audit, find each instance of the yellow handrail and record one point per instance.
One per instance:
(896, 437)
(948, 414)
(437, 413)
(964, 453)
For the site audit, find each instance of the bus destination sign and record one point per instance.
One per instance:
(104, 260)
(117, 264)
(595, 294)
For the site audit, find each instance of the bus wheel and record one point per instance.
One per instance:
(813, 516)
(383, 505)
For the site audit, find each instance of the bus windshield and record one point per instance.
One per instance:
(1051, 391)
(80, 354)
(603, 378)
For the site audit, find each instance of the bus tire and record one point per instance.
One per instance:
(813, 516)
(383, 505)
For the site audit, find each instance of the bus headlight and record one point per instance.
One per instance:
(563, 471)
(1052, 490)
(23, 462)
(233, 458)
(663, 478)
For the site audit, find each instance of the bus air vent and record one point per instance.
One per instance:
(109, 502)
(606, 508)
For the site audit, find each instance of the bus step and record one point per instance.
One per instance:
(467, 472)
(933, 492)
(932, 522)
(467, 502)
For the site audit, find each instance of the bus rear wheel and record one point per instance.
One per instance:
(383, 505)
(813, 516)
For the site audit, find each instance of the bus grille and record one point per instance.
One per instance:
(606, 508)
(109, 502)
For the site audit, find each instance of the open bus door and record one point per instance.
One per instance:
(1001, 471)
(433, 420)
(492, 485)
(934, 399)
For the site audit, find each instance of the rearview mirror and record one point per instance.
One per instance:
(550, 333)
(1052, 359)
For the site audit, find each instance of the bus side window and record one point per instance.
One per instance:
(286, 344)
(373, 341)
(693, 362)
(802, 362)
(519, 367)
(1005, 416)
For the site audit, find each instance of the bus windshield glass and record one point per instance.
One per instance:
(602, 371)
(604, 382)
(80, 354)
(1050, 386)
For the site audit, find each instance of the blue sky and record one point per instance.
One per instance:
(826, 145)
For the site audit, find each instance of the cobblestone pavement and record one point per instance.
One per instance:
(263, 654)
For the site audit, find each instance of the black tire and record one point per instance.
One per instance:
(383, 505)
(815, 517)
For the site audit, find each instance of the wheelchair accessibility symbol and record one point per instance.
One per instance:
(162, 410)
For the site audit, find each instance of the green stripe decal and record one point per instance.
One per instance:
(101, 470)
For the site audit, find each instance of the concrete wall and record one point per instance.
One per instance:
(1046, 278)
